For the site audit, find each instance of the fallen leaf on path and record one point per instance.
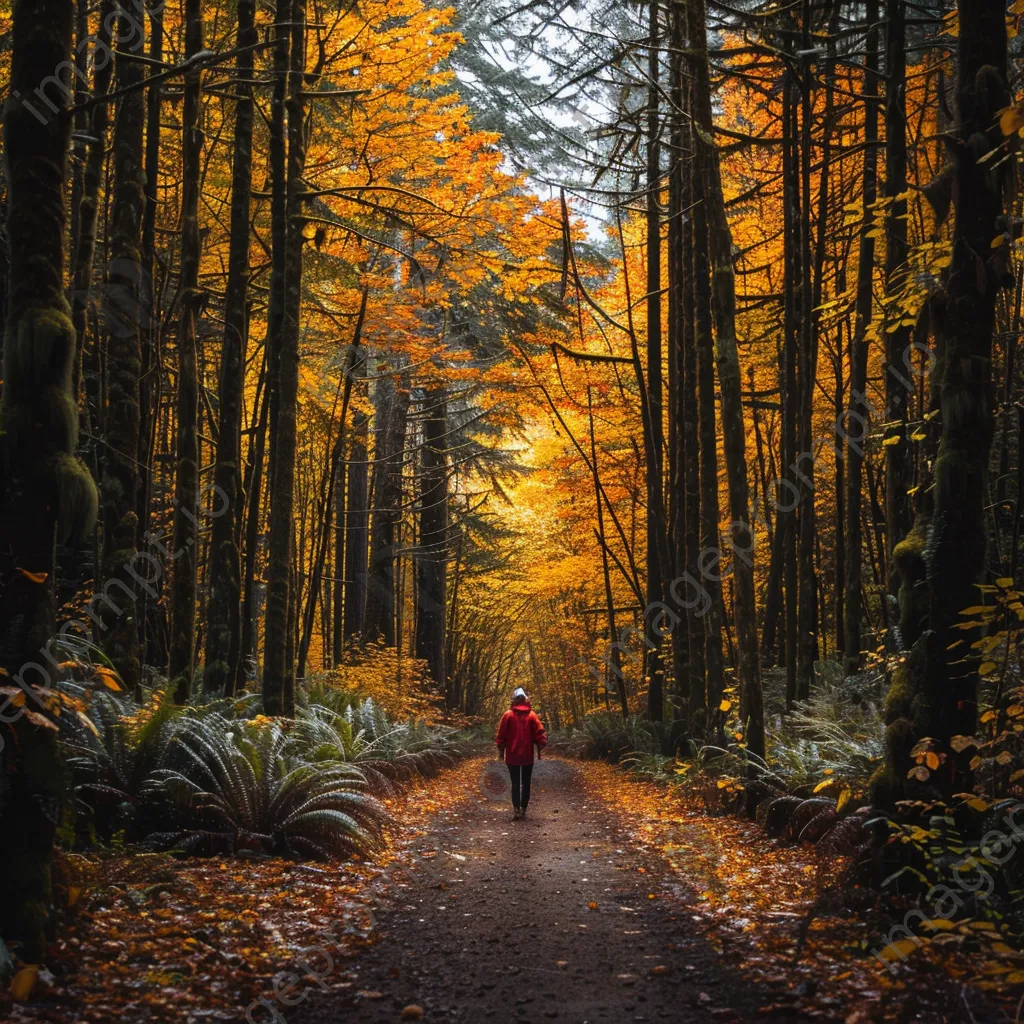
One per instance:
(23, 982)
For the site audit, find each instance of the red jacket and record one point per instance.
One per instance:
(518, 730)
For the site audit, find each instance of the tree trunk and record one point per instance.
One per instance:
(338, 584)
(613, 666)
(88, 210)
(392, 407)
(223, 643)
(186, 485)
(839, 497)
(898, 463)
(856, 423)
(772, 645)
(705, 382)
(694, 689)
(282, 503)
(432, 552)
(254, 478)
(657, 540)
(281, 377)
(152, 369)
(788, 495)
(125, 294)
(933, 693)
(356, 528)
(741, 539)
(46, 494)
(803, 465)
(679, 308)
(330, 480)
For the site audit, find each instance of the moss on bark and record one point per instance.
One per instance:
(44, 491)
(942, 558)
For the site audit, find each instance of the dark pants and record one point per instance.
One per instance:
(520, 775)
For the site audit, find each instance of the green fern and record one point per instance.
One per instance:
(230, 786)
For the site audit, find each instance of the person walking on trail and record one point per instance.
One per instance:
(519, 731)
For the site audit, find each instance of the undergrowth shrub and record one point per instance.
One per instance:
(219, 777)
(610, 737)
(820, 758)
(397, 684)
(223, 786)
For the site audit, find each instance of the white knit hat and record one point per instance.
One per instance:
(519, 692)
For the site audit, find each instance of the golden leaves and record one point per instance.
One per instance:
(23, 982)
(33, 577)
(41, 721)
(15, 694)
(1011, 120)
(108, 677)
(901, 949)
(960, 743)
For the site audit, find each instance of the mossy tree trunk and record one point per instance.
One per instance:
(223, 643)
(934, 692)
(45, 492)
(125, 291)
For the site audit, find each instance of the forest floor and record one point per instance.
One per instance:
(610, 902)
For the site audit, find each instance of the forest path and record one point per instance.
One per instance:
(546, 918)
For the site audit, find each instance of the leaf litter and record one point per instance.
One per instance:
(149, 937)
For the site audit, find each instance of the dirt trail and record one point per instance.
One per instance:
(547, 918)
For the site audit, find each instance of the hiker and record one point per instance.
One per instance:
(518, 731)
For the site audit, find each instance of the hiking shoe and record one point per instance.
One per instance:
(517, 815)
